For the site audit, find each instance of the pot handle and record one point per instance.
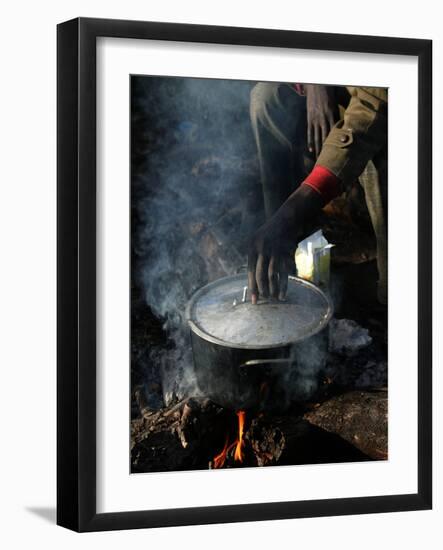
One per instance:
(256, 362)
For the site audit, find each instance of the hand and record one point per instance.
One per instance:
(269, 258)
(322, 112)
(270, 252)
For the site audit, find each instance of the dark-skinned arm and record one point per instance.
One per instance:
(322, 113)
(353, 141)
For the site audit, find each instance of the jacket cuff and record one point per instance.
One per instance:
(322, 180)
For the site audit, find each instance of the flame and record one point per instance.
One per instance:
(238, 455)
(220, 459)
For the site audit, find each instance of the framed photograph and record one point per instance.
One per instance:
(244, 280)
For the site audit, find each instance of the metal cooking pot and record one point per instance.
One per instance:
(244, 354)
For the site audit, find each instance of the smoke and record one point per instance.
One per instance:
(300, 381)
(194, 183)
(195, 198)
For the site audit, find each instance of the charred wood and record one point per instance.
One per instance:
(359, 417)
(181, 437)
(190, 434)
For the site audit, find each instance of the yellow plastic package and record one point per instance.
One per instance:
(313, 259)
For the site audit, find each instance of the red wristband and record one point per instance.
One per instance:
(324, 182)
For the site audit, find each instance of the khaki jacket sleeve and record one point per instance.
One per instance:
(358, 136)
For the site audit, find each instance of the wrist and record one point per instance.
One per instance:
(323, 182)
(301, 206)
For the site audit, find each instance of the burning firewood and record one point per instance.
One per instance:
(267, 442)
(180, 437)
(196, 434)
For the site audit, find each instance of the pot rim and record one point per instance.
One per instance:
(214, 340)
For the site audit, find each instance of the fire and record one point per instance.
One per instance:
(238, 455)
(220, 459)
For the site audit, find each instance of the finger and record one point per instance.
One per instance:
(310, 139)
(284, 274)
(317, 140)
(261, 275)
(252, 283)
(273, 271)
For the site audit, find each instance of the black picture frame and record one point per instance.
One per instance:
(76, 265)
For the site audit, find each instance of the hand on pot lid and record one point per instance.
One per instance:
(212, 314)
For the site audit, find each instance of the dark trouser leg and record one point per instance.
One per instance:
(374, 182)
(278, 117)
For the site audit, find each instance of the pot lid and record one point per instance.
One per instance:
(217, 313)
